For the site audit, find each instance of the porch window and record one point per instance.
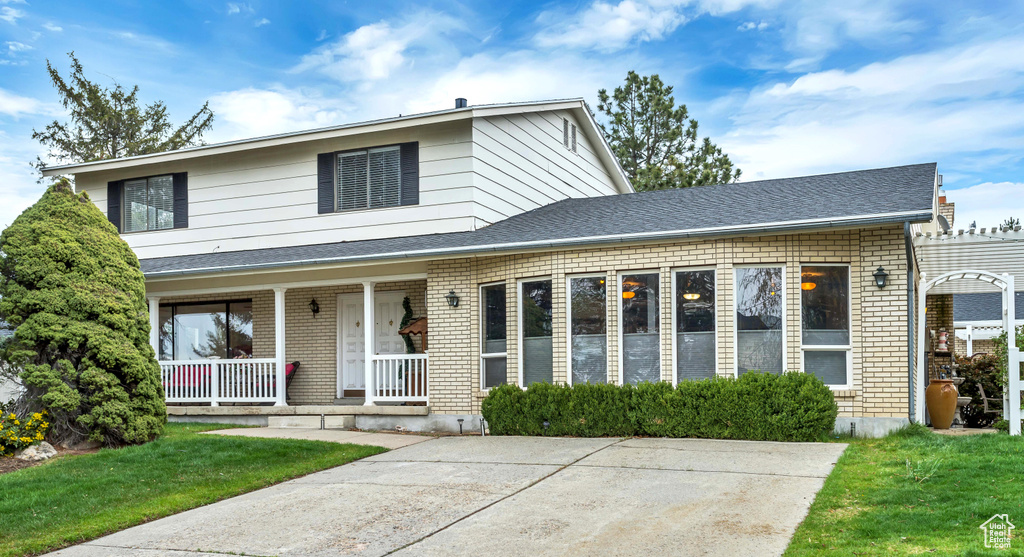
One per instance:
(493, 348)
(206, 330)
(759, 319)
(149, 204)
(825, 322)
(695, 324)
(588, 329)
(370, 178)
(536, 362)
(641, 345)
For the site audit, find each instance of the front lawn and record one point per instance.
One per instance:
(78, 498)
(916, 492)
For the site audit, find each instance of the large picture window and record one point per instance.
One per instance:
(149, 204)
(370, 178)
(493, 349)
(825, 322)
(641, 345)
(535, 314)
(201, 331)
(759, 319)
(695, 324)
(588, 330)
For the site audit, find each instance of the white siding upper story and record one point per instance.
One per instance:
(473, 171)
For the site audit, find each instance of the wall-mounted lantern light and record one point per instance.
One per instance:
(453, 299)
(880, 277)
(314, 307)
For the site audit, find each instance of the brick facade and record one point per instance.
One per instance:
(879, 327)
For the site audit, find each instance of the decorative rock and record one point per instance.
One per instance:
(35, 453)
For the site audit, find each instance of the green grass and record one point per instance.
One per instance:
(916, 492)
(78, 498)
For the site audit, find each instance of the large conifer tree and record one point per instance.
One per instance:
(74, 291)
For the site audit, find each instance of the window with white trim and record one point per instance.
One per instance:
(369, 179)
(695, 324)
(759, 319)
(825, 322)
(588, 329)
(537, 358)
(641, 326)
(149, 204)
(493, 348)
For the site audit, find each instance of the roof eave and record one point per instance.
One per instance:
(746, 230)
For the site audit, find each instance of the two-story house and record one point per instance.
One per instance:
(513, 231)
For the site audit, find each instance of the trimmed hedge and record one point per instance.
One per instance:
(792, 406)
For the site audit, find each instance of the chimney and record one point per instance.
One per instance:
(461, 103)
(946, 208)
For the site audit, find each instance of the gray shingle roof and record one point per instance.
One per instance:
(986, 306)
(809, 202)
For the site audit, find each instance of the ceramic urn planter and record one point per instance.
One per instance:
(941, 400)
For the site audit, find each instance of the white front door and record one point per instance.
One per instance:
(351, 348)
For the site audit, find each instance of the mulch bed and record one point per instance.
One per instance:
(10, 464)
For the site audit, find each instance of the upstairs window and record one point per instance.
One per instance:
(372, 178)
(369, 179)
(149, 204)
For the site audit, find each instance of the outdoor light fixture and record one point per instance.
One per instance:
(691, 296)
(314, 307)
(880, 277)
(453, 299)
(546, 424)
(808, 286)
(460, 420)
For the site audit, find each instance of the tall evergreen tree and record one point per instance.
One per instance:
(73, 290)
(109, 123)
(656, 141)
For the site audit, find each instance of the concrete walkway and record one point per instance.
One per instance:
(513, 496)
(386, 440)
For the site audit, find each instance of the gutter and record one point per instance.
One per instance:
(910, 316)
(854, 222)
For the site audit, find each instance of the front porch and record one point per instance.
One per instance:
(300, 344)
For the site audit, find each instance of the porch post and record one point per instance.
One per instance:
(970, 340)
(922, 349)
(1013, 354)
(282, 387)
(368, 348)
(154, 325)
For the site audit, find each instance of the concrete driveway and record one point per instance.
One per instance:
(513, 496)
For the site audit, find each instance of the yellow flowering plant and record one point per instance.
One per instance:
(18, 433)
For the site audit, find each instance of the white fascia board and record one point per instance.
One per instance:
(442, 253)
(288, 138)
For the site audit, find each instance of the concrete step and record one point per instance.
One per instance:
(312, 422)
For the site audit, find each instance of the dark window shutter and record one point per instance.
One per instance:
(411, 173)
(325, 183)
(181, 200)
(114, 203)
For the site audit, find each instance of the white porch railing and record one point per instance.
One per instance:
(400, 377)
(216, 381)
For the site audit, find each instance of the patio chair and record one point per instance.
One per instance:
(289, 374)
(986, 400)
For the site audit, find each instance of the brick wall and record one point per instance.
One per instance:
(879, 328)
(939, 314)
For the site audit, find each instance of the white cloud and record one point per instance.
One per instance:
(608, 26)
(988, 204)
(752, 25)
(11, 15)
(52, 27)
(16, 105)
(15, 46)
(254, 112)
(237, 7)
(374, 51)
(814, 28)
(962, 100)
(322, 36)
(261, 22)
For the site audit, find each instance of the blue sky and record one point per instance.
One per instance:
(786, 88)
